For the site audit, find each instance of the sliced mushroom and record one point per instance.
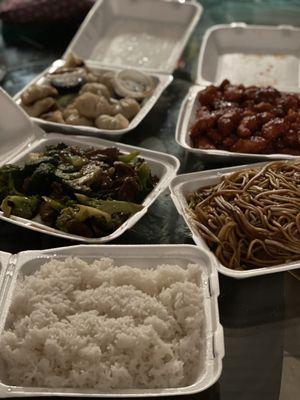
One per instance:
(67, 83)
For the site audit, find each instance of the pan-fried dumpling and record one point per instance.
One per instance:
(91, 106)
(37, 92)
(91, 77)
(129, 107)
(112, 123)
(54, 116)
(73, 61)
(107, 78)
(69, 111)
(39, 107)
(96, 88)
(72, 117)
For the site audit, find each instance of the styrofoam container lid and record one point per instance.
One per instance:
(251, 55)
(16, 129)
(183, 184)
(139, 256)
(27, 137)
(140, 34)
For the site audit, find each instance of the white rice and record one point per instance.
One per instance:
(79, 325)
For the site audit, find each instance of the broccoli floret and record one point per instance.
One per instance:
(55, 149)
(32, 163)
(40, 181)
(35, 160)
(79, 219)
(21, 206)
(82, 180)
(10, 177)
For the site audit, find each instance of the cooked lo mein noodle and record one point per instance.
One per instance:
(251, 218)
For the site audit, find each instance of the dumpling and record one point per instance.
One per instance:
(37, 92)
(90, 77)
(129, 107)
(39, 107)
(72, 117)
(73, 61)
(107, 78)
(96, 88)
(112, 123)
(54, 116)
(91, 105)
(69, 111)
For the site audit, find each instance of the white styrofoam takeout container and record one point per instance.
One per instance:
(20, 136)
(183, 184)
(120, 34)
(143, 257)
(244, 54)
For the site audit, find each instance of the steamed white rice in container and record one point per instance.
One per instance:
(77, 325)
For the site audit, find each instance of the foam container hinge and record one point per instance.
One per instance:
(183, 184)
(140, 256)
(25, 137)
(119, 34)
(244, 54)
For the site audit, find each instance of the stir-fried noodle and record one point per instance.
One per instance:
(251, 218)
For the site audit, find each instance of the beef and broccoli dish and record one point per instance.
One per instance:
(87, 192)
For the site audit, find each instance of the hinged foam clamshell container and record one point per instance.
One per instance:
(183, 184)
(145, 35)
(20, 136)
(244, 54)
(210, 367)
